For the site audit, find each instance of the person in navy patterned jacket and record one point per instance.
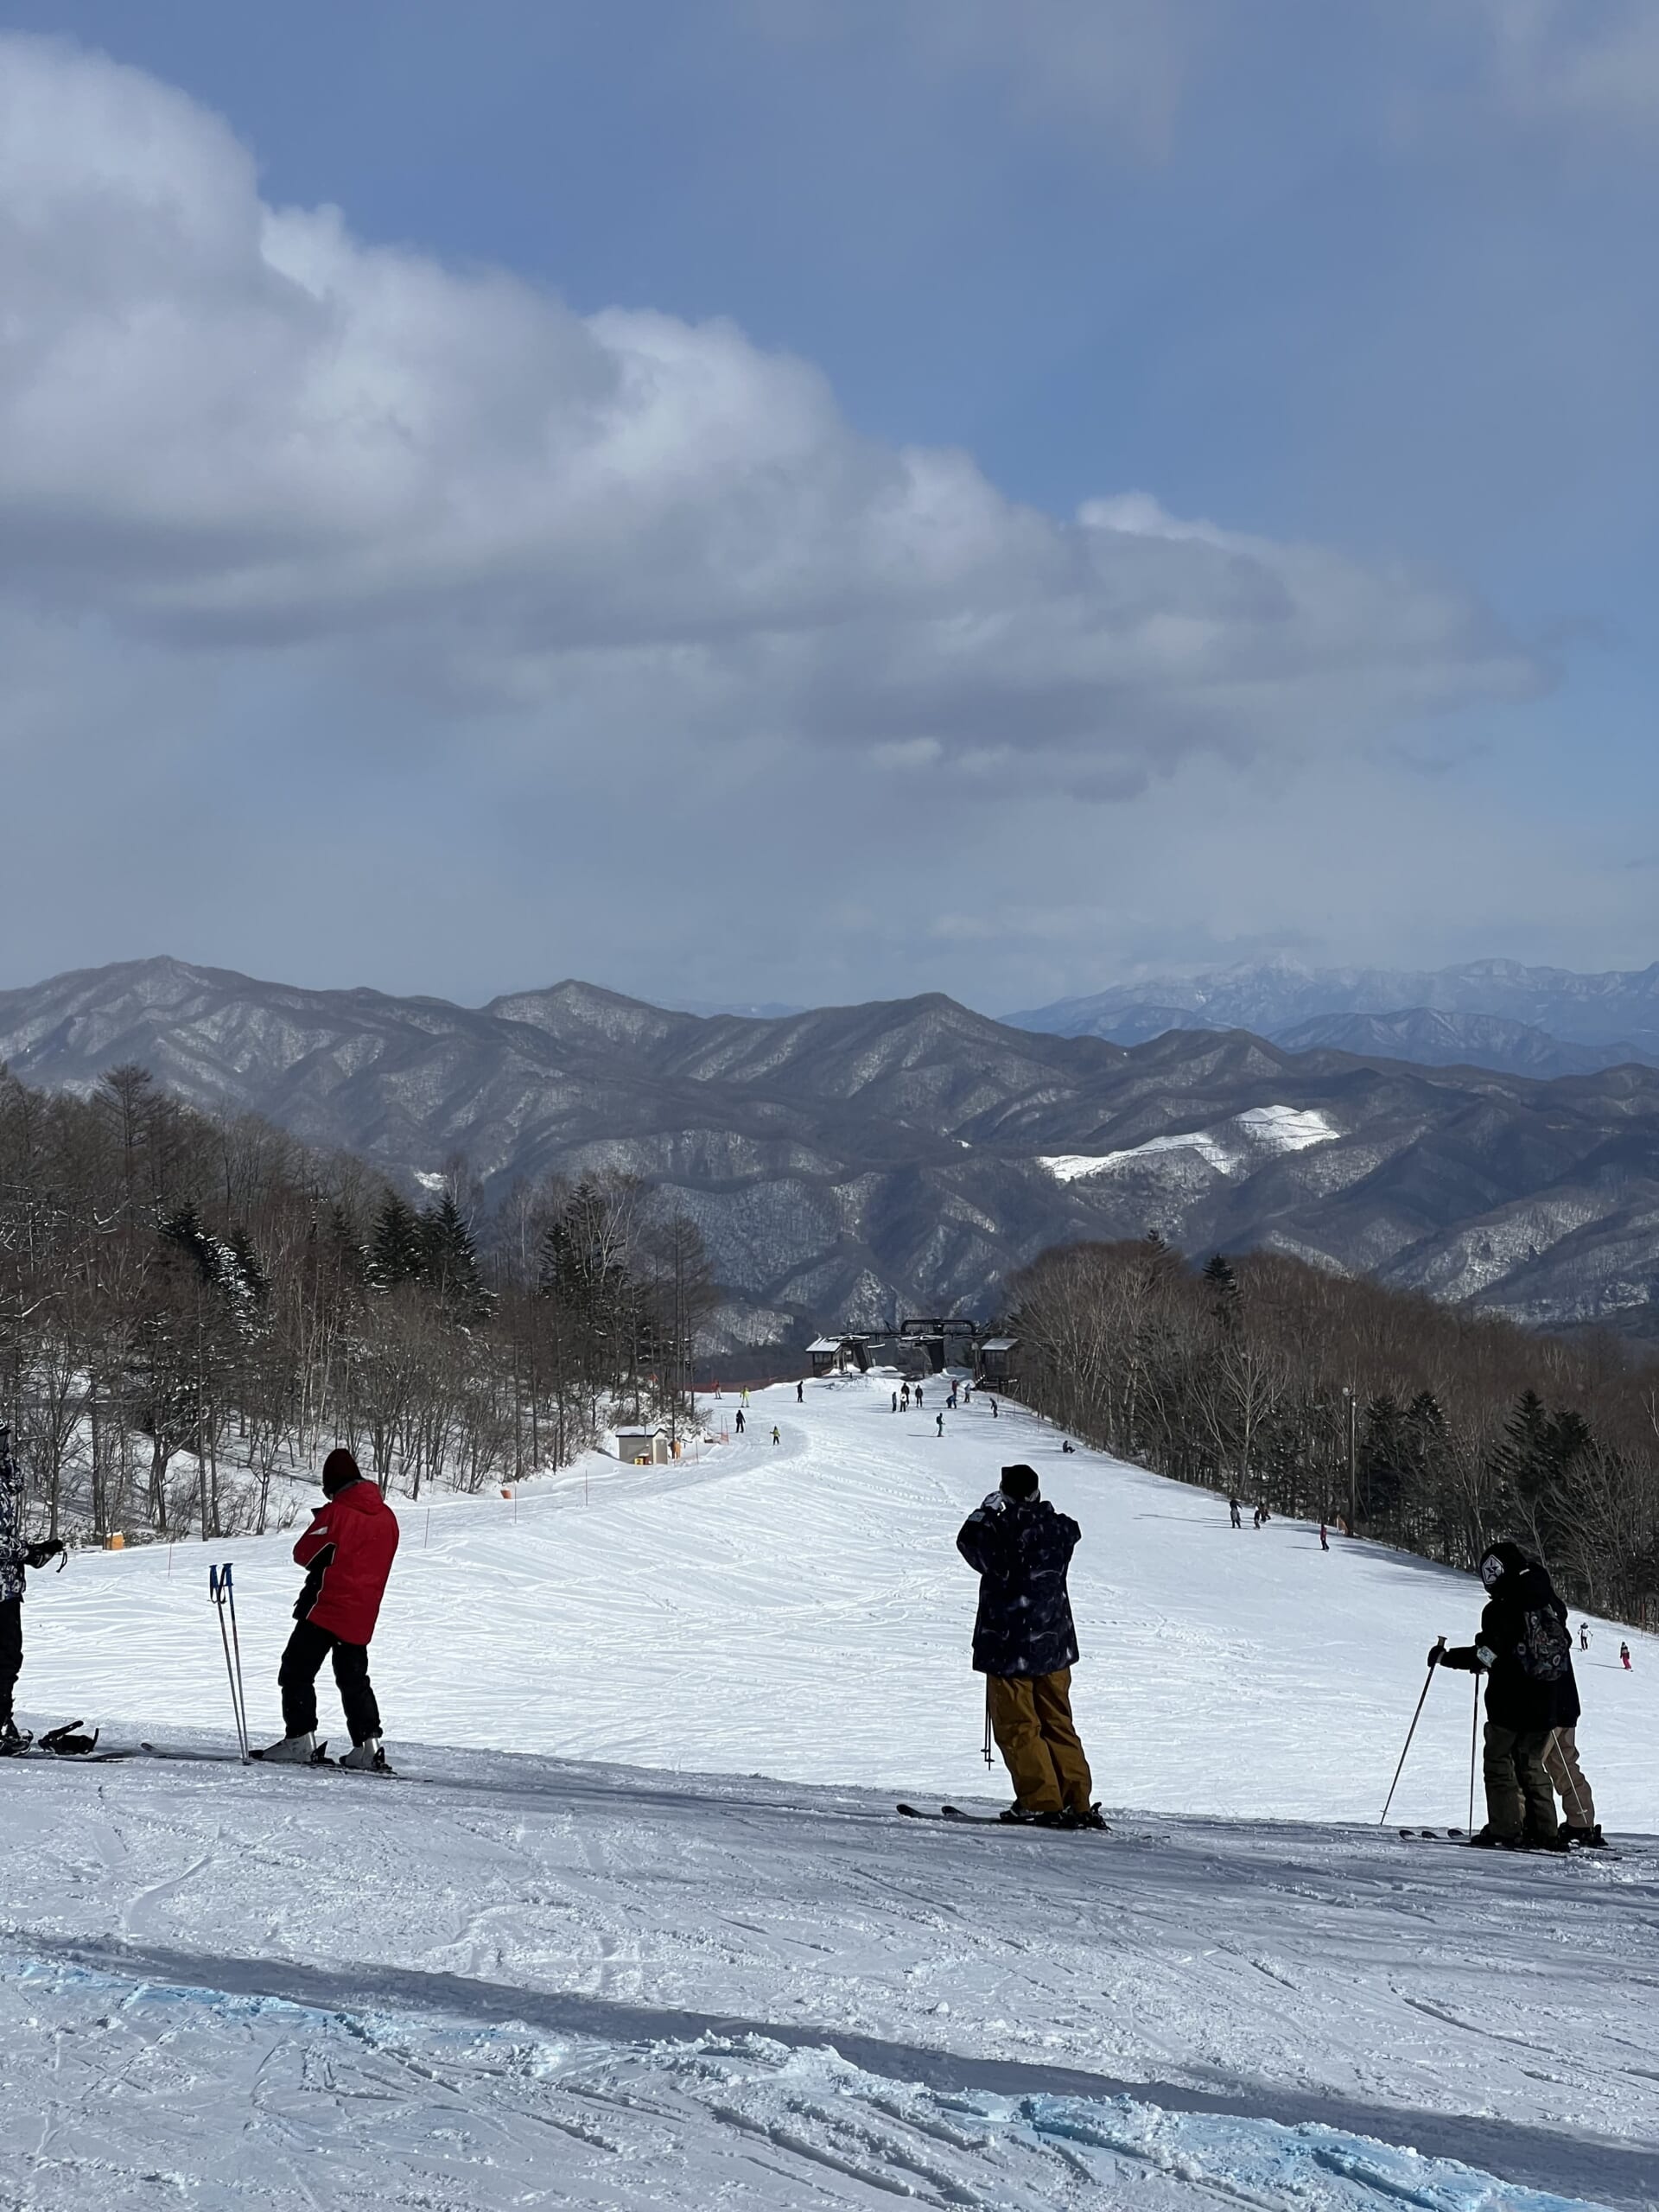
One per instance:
(1026, 1645)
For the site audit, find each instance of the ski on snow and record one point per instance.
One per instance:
(60, 1742)
(958, 1818)
(1513, 1849)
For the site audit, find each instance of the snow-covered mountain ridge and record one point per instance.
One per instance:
(847, 1160)
(1490, 1014)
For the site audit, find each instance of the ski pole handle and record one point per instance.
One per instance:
(213, 1584)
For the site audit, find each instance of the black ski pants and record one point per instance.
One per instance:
(296, 1678)
(11, 1651)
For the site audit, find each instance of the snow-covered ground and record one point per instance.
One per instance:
(536, 1979)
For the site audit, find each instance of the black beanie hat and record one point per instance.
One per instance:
(1019, 1481)
(339, 1469)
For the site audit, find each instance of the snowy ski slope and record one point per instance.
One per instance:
(799, 1611)
(542, 1980)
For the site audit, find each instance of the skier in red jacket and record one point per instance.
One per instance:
(347, 1552)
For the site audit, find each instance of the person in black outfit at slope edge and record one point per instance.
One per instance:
(1526, 1654)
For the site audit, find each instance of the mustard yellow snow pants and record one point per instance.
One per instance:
(1031, 1719)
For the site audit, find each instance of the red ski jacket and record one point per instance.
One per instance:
(349, 1548)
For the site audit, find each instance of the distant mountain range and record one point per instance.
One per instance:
(1490, 1014)
(845, 1162)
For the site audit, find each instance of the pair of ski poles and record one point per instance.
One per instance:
(222, 1590)
(1474, 1730)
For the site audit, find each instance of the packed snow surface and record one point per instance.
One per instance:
(524, 1977)
(1229, 1148)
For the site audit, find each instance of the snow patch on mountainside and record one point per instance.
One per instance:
(1229, 1147)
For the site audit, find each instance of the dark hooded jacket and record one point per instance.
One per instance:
(1524, 1648)
(1019, 1548)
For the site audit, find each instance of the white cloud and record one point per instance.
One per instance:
(1121, 66)
(228, 426)
(1594, 61)
(1115, 69)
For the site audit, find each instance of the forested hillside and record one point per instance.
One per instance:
(191, 1306)
(909, 1154)
(1321, 1396)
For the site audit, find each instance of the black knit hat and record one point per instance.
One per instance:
(1019, 1481)
(340, 1470)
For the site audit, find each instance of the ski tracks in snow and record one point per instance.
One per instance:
(533, 1978)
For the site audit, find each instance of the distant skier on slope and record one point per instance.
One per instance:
(939, 1420)
(1584, 1636)
(15, 1558)
(1624, 1657)
(347, 1553)
(800, 1393)
(1026, 1645)
(739, 1424)
(776, 1433)
(1526, 1654)
(1234, 1514)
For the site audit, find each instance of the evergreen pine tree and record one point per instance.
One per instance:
(449, 1258)
(1222, 1286)
(397, 1249)
(184, 1229)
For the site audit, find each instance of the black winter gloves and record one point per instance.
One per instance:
(38, 1555)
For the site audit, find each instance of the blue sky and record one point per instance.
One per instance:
(1367, 291)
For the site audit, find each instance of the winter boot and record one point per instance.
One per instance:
(368, 1756)
(14, 1740)
(293, 1751)
(1585, 1839)
(1017, 1814)
(1488, 1839)
(1556, 1842)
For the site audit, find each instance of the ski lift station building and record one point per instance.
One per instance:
(642, 1447)
(998, 1358)
(835, 1355)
